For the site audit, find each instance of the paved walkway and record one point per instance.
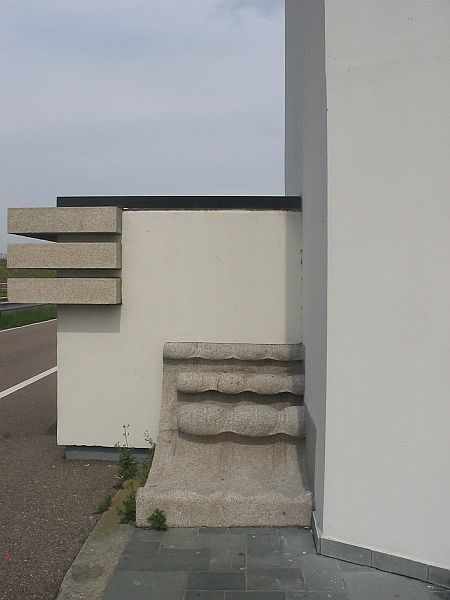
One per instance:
(248, 564)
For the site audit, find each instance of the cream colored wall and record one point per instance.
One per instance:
(215, 276)
(377, 179)
(307, 167)
(387, 465)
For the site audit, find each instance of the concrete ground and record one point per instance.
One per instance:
(46, 503)
(246, 564)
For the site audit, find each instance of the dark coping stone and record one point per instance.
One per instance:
(439, 576)
(275, 579)
(348, 567)
(216, 581)
(401, 566)
(293, 203)
(182, 559)
(322, 574)
(144, 585)
(356, 554)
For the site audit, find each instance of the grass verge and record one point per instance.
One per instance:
(26, 316)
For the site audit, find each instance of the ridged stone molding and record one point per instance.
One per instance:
(230, 447)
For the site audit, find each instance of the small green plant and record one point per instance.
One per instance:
(127, 511)
(157, 520)
(147, 464)
(127, 465)
(104, 504)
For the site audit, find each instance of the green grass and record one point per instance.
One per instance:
(26, 316)
(5, 272)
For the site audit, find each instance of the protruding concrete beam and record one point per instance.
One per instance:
(65, 290)
(98, 255)
(46, 223)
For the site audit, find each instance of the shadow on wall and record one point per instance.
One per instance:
(294, 277)
(89, 319)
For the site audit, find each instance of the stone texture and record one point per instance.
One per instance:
(65, 290)
(46, 223)
(250, 352)
(231, 459)
(396, 564)
(236, 383)
(99, 255)
(208, 418)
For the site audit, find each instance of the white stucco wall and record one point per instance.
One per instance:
(306, 126)
(387, 483)
(215, 276)
(387, 457)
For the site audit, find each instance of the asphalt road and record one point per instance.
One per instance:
(46, 502)
(25, 352)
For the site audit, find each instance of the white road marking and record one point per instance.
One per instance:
(19, 386)
(29, 325)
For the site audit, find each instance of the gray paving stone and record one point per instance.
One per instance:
(144, 585)
(439, 576)
(216, 581)
(338, 595)
(401, 566)
(180, 538)
(384, 586)
(259, 595)
(227, 559)
(297, 540)
(204, 595)
(322, 574)
(264, 545)
(440, 595)
(146, 535)
(215, 530)
(274, 579)
(275, 559)
(136, 562)
(233, 541)
(256, 530)
(146, 548)
(182, 559)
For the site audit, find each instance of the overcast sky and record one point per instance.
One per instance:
(139, 97)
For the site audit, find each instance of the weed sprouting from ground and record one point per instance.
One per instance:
(157, 520)
(127, 511)
(104, 504)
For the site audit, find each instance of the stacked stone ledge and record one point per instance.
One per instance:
(78, 255)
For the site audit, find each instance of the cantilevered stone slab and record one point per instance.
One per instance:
(46, 223)
(230, 447)
(98, 255)
(65, 290)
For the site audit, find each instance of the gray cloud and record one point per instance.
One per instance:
(137, 97)
(266, 7)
